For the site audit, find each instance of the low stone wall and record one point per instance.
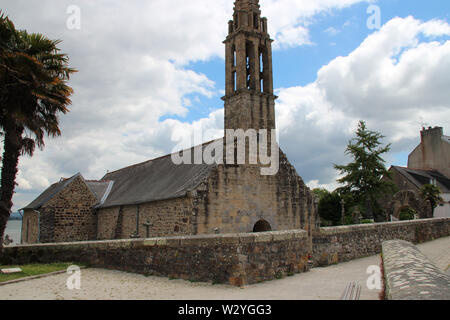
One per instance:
(409, 275)
(236, 259)
(338, 244)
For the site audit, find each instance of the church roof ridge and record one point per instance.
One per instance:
(158, 158)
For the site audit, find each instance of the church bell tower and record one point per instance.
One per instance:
(249, 98)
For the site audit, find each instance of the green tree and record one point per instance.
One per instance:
(320, 192)
(33, 92)
(431, 193)
(330, 208)
(363, 177)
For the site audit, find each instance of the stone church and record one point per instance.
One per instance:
(159, 198)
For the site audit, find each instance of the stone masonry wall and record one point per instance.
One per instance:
(236, 259)
(30, 227)
(339, 244)
(167, 218)
(46, 224)
(248, 109)
(237, 197)
(232, 200)
(68, 215)
(107, 223)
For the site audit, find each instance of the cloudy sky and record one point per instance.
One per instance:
(152, 70)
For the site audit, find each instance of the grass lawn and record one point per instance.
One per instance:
(32, 270)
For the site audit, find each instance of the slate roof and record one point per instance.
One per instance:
(420, 177)
(98, 188)
(49, 193)
(154, 180)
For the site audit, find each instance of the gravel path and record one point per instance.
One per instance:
(318, 284)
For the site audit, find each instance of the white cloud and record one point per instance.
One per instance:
(289, 19)
(292, 37)
(435, 28)
(392, 80)
(133, 59)
(332, 31)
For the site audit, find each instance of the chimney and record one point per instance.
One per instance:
(436, 132)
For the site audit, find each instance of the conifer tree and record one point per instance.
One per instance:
(363, 177)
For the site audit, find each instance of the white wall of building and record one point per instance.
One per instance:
(443, 211)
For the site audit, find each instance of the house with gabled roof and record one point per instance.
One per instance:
(409, 181)
(63, 212)
(433, 152)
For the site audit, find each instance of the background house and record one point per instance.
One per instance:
(429, 163)
(433, 152)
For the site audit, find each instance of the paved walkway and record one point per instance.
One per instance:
(438, 252)
(318, 284)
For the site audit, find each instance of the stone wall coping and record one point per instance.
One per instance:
(371, 226)
(198, 240)
(410, 275)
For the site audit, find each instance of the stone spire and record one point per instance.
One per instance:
(246, 5)
(247, 16)
(249, 99)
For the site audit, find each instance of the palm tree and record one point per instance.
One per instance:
(33, 91)
(431, 193)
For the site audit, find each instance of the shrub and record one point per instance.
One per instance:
(407, 214)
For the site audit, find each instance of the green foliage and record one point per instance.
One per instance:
(363, 177)
(348, 219)
(407, 214)
(320, 192)
(366, 221)
(33, 84)
(33, 270)
(330, 209)
(431, 193)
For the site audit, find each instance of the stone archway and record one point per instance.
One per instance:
(262, 226)
(408, 198)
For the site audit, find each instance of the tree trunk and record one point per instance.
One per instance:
(369, 209)
(10, 161)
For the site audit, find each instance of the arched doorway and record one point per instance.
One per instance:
(262, 226)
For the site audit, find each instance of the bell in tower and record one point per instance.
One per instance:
(249, 99)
